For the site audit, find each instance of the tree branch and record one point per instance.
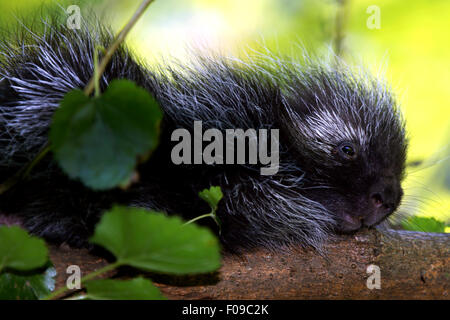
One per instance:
(413, 265)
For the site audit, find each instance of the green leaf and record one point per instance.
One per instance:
(423, 224)
(212, 196)
(20, 251)
(27, 286)
(151, 241)
(98, 140)
(134, 289)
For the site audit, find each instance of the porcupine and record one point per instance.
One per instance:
(342, 141)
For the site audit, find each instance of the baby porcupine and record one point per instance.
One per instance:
(342, 141)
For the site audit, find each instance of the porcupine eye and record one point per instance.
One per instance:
(347, 150)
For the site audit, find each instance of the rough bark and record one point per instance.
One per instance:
(413, 265)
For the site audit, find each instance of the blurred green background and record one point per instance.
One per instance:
(411, 46)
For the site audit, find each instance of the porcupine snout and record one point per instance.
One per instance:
(382, 200)
(384, 196)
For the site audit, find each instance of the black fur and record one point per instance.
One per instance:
(317, 107)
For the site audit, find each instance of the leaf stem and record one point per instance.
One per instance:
(96, 73)
(100, 271)
(118, 40)
(211, 214)
(90, 276)
(25, 171)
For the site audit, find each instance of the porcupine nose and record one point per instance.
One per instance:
(384, 198)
